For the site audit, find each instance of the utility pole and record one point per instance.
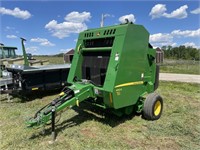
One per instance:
(102, 20)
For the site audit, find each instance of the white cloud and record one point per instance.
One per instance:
(77, 17)
(174, 44)
(190, 44)
(186, 33)
(32, 49)
(179, 13)
(130, 17)
(108, 15)
(165, 39)
(8, 28)
(64, 29)
(159, 10)
(195, 11)
(161, 37)
(75, 23)
(155, 45)
(42, 41)
(11, 36)
(16, 12)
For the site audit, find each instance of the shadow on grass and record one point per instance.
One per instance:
(39, 94)
(87, 113)
(26, 97)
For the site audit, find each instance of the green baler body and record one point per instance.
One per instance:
(113, 67)
(130, 69)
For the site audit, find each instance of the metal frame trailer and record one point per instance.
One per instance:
(26, 79)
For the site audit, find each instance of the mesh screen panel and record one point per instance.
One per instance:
(94, 66)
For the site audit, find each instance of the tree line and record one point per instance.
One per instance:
(181, 52)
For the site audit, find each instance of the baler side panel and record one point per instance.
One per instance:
(131, 68)
(113, 63)
(75, 69)
(113, 69)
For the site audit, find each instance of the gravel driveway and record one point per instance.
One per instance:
(180, 77)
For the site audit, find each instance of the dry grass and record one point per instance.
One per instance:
(52, 59)
(181, 66)
(89, 128)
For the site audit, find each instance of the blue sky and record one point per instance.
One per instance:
(52, 27)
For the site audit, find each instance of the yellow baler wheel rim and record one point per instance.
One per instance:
(157, 108)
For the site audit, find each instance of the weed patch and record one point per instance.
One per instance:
(86, 127)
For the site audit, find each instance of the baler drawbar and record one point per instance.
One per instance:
(69, 97)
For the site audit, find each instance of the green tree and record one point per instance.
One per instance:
(181, 52)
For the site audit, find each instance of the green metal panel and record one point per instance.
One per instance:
(128, 65)
(26, 63)
(131, 66)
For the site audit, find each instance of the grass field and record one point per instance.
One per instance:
(52, 59)
(181, 66)
(84, 128)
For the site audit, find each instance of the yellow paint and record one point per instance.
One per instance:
(119, 90)
(118, 93)
(79, 48)
(33, 89)
(77, 103)
(61, 94)
(157, 108)
(129, 84)
(110, 96)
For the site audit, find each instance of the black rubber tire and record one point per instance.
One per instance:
(156, 84)
(149, 105)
